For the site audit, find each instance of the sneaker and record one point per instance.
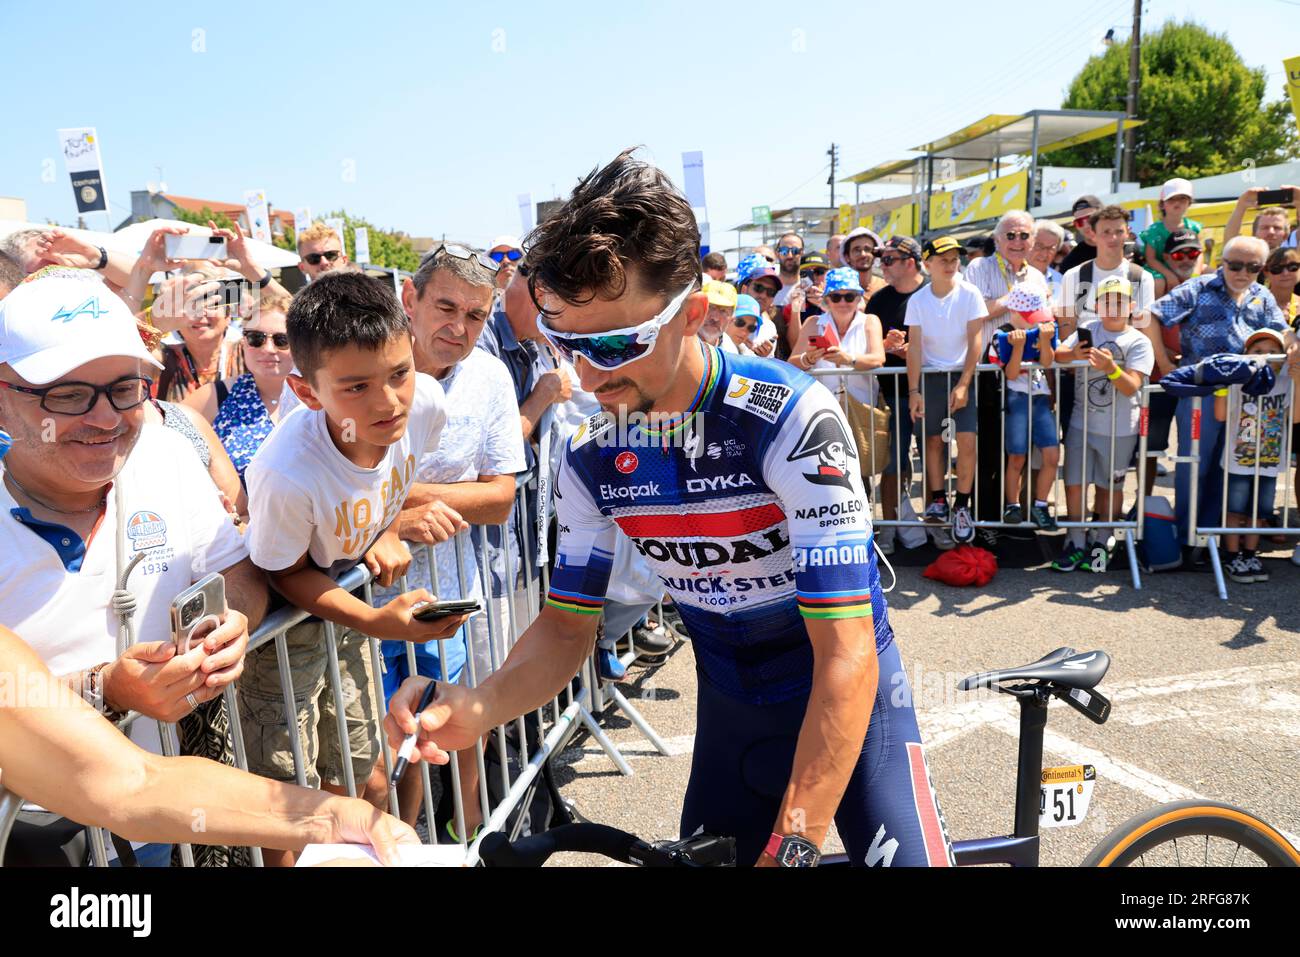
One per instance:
(1239, 570)
(652, 644)
(936, 513)
(963, 525)
(1098, 559)
(1257, 568)
(942, 540)
(1072, 556)
(1043, 517)
(1013, 514)
(608, 666)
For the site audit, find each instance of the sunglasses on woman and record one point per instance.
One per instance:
(315, 258)
(843, 296)
(1182, 254)
(1284, 267)
(514, 255)
(257, 339)
(614, 349)
(742, 324)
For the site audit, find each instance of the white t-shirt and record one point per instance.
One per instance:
(854, 341)
(1257, 422)
(783, 294)
(304, 496)
(483, 436)
(173, 516)
(1069, 291)
(944, 322)
(1132, 352)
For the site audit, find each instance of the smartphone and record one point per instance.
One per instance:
(444, 609)
(1274, 197)
(806, 283)
(1085, 338)
(195, 247)
(231, 292)
(201, 604)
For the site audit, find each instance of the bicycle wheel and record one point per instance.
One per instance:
(1194, 833)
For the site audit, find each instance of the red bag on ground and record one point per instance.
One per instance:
(964, 565)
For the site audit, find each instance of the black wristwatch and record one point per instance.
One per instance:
(103, 258)
(791, 850)
(265, 280)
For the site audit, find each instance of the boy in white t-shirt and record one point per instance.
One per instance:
(1253, 444)
(323, 493)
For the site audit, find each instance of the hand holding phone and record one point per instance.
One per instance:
(444, 609)
(1275, 197)
(190, 246)
(198, 610)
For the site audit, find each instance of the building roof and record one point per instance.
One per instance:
(233, 210)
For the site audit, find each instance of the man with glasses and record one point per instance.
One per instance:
(84, 480)
(319, 251)
(506, 252)
(1081, 219)
(723, 299)
(1048, 237)
(1215, 313)
(1271, 224)
(744, 492)
(789, 253)
(758, 278)
(860, 247)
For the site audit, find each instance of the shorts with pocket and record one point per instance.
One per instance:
(936, 389)
(1019, 409)
(1088, 461)
(262, 709)
(1241, 494)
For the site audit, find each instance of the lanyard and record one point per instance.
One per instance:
(1007, 273)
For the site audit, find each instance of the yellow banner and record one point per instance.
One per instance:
(901, 222)
(987, 200)
(846, 217)
(1292, 68)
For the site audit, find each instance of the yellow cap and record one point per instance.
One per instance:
(720, 293)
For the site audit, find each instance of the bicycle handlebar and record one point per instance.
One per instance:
(496, 850)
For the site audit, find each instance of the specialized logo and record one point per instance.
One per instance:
(146, 530)
(626, 462)
(90, 307)
(764, 399)
(825, 439)
(691, 446)
(717, 483)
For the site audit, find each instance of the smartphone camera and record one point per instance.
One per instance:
(191, 611)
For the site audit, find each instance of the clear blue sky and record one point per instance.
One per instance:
(447, 111)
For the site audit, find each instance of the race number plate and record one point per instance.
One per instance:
(1064, 795)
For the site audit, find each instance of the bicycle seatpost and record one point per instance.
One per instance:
(1029, 769)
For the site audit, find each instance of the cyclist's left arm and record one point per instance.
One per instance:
(813, 467)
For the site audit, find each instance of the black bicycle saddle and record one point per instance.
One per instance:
(1063, 667)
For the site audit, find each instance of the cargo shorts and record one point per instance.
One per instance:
(262, 708)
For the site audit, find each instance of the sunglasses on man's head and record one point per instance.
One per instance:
(314, 259)
(844, 296)
(1233, 265)
(511, 254)
(1179, 255)
(257, 339)
(1284, 267)
(789, 250)
(1013, 236)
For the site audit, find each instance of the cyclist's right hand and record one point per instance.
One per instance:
(450, 723)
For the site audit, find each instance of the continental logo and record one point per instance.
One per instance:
(1069, 774)
(591, 427)
(764, 399)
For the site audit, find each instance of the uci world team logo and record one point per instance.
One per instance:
(146, 530)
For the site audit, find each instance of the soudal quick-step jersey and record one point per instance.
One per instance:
(751, 510)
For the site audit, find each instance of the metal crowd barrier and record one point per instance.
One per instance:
(557, 721)
(1121, 527)
(1210, 535)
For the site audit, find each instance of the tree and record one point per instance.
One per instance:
(387, 247)
(1203, 108)
(202, 216)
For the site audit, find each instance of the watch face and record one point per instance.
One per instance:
(796, 852)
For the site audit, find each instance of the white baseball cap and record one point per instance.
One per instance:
(508, 241)
(51, 325)
(1176, 187)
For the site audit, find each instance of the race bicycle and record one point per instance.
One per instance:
(1181, 833)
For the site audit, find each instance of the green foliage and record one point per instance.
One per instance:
(202, 216)
(1204, 109)
(387, 247)
(288, 240)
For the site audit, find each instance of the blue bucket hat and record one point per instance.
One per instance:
(838, 280)
(754, 266)
(747, 305)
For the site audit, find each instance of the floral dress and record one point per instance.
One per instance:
(242, 421)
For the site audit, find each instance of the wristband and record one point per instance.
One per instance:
(1221, 392)
(103, 258)
(1114, 374)
(265, 280)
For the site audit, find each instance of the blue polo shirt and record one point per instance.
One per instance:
(1211, 320)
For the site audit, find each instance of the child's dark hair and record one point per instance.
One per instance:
(342, 309)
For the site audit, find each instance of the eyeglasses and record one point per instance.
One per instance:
(514, 255)
(464, 252)
(789, 250)
(313, 259)
(764, 290)
(817, 273)
(1284, 267)
(78, 398)
(1081, 221)
(1233, 265)
(1046, 247)
(258, 339)
(745, 325)
(890, 260)
(616, 348)
(1178, 255)
(843, 296)
(1014, 236)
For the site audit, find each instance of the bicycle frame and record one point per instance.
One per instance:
(1020, 849)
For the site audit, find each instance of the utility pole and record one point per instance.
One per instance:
(1134, 81)
(834, 154)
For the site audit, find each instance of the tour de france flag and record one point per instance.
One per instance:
(81, 156)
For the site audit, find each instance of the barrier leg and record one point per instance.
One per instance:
(170, 748)
(637, 719)
(377, 665)
(290, 708)
(1131, 549)
(241, 756)
(606, 745)
(1217, 564)
(341, 719)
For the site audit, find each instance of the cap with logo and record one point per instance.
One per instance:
(843, 279)
(720, 293)
(1176, 187)
(814, 260)
(755, 266)
(1182, 239)
(1273, 335)
(1086, 204)
(747, 306)
(51, 325)
(906, 245)
(1030, 301)
(939, 246)
(855, 233)
(1114, 286)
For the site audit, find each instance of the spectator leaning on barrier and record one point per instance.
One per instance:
(1048, 237)
(319, 251)
(789, 251)
(1271, 224)
(1084, 250)
(1214, 313)
(861, 345)
(1256, 434)
(714, 266)
(325, 492)
(1106, 395)
(506, 252)
(86, 478)
(945, 322)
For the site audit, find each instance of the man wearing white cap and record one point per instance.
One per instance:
(506, 252)
(90, 497)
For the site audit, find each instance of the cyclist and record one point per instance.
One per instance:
(745, 496)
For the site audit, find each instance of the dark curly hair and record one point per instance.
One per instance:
(626, 215)
(342, 309)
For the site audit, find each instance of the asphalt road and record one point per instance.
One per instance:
(1206, 700)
